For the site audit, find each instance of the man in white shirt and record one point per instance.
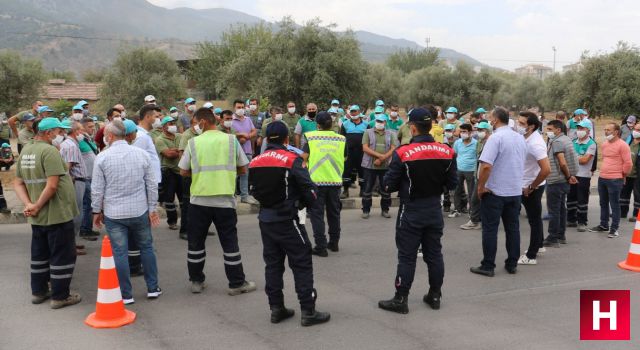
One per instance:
(148, 114)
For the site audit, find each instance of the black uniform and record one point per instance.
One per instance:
(420, 171)
(282, 186)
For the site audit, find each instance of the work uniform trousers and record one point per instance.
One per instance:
(460, 198)
(329, 199)
(225, 219)
(533, 207)
(53, 258)
(287, 239)
(631, 185)
(474, 204)
(172, 184)
(184, 204)
(86, 225)
(557, 208)
(419, 225)
(578, 201)
(352, 164)
(3, 201)
(370, 177)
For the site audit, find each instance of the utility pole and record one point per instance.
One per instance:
(427, 40)
(554, 58)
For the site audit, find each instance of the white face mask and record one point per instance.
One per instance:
(123, 114)
(291, 110)
(117, 118)
(157, 123)
(582, 133)
(521, 130)
(464, 135)
(253, 107)
(551, 134)
(227, 124)
(482, 135)
(57, 140)
(76, 116)
(80, 137)
(192, 108)
(448, 134)
(379, 126)
(277, 117)
(450, 115)
(240, 112)
(393, 114)
(174, 114)
(355, 117)
(636, 134)
(609, 137)
(197, 129)
(172, 129)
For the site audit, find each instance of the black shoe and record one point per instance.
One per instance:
(433, 299)
(482, 271)
(464, 211)
(396, 304)
(446, 209)
(511, 270)
(88, 236)
(320, 252)
(333, 246)
(572, 224)
(562, 240)
(5, 211)
(312, 317)
(280, 313)
(183, 235)
(551, 243)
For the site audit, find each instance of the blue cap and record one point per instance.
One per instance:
(381, 117)
(483, 125)
(419, 115)
(354, 108)
(44, 109)
(217, 110)
(129, 127)
(333, 110)
(481, 110)
(585, 124)
(449, 127)
(189, 100)
(340, 110)
(48, 124)
(66, 124)
(167, 119)
(379, 109)
(28, 117)
(452, 110)
(5, 145)
(580, 111)
(335, 102)
(277, 130)
(379, 103)
(82, 103)
(173, 109)
(77, 108)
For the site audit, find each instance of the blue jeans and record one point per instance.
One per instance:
(557, 208)
(609, 192)
(86, 225)
(492, 208)
(244, 182)
(140, 228)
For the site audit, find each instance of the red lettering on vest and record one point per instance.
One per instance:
(424, 151)
(271, 159)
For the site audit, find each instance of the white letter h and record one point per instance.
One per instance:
(611, 315)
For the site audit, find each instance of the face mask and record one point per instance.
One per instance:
(123, 114)
(192, 108)
(57, 140)
(240, 112)
(636, 134)
(291, 110)
(253, 107)
(117, 118)
(227, 124)
(355, 117)
(76, 116)
(311, 114)
(393, 114)
(278, 117)
(174, 114)
(464, 135)
(551, 134)
(448, 134)
(172, 129)
(582, 133)
(79, 138)
(482, 135)
(379, 126)
(609, 137)
(156, 123)
(521, 130)
(197, 129)
(85, 112)
(450, 115)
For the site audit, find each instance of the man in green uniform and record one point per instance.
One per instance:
(26, 133)
(44, 186)
(167, 146)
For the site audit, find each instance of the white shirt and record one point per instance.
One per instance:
(145, 142)
(536, 151)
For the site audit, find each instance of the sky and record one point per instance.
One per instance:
(501, 33)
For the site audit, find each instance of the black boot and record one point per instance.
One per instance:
(433, 299)
(312, 317)
(280, 313)
(333, 246)
(322, 252)
(397, 304)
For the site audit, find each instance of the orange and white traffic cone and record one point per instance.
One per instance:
(110, 311)
(633, 258)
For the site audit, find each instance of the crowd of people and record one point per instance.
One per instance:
(76, 174)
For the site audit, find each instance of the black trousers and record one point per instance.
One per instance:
(53, 258)
(172, 186)
(578, 201)
(533, 206)
(184, 204)
(419, 225)
(3, 201)
(225, 219)
(353, 163)
(329, 198)
(370, 177)
(287, 239)
(631, 185)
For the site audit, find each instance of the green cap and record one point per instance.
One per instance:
(48, 124)
(483, 125)
(6, 145)
(129, 127)
(66, 124)
(449, 127)
(167, 119)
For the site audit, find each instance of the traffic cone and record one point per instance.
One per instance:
(110, 311)
(633, 258)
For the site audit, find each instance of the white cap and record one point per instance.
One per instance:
(207, 105)
(149, 98)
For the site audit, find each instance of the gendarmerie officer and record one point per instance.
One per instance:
(283, 186)
(420, 171)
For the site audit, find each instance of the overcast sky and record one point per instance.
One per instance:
(501, 33)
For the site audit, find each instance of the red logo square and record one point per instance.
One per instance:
(605, 315)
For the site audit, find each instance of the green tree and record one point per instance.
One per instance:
(62, 106)
(21, 80)
(140, 72)
(67, 75)
(93, 75)
(383, 82)
(409, 60)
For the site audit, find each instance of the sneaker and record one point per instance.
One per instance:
(582, 228)
(526, 261)
(512, 270)
(480, 270)
(572, 224)
(385, 214)
(551, 243)
(471, 225)
(154, 293)
(464, 211)
(249, 200)
(365, 215)
(72, 299)
(454, 214)
(197, 287)
(613, 234)
(562, 240)
(540, 251)
(246, 287)
(39, 299)
(128, 301)
(322, 252)
(598, 229)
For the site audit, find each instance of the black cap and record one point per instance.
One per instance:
(419, 115)
(323, 118)
(277, 130)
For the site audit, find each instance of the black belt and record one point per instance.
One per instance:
(80, 179)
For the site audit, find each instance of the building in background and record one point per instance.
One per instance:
(534, 70)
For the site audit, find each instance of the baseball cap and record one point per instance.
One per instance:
(381, 118)
(173, 109)
(335, 102)
(129, 127)
(5, 145)
(217, 110)
(65, 124)
(419, 115)
(449, 127)
(49, 123)
(277, 130)
(77, 107)
(27, 117)
(631, 119)
(481, 110)
(167, 119)
(483, 125)
(207, 105)
(149, 98)
(82, 103)
(452, 110)
(323, 117)
(333, 110)
(585, 124)
(189, 100)
(379, 103)
(378, 109)
(580, 111)
(44, 109)
(354, 108)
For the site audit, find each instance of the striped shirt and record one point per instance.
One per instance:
(561, 144)
(70, 152)
(123, 185)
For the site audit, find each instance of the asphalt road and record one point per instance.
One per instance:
(536, 309)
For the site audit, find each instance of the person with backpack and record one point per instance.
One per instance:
(578, 198)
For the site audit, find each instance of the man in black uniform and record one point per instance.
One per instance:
(420, 171)
(283, 186)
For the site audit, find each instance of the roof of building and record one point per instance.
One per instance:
(60, 89)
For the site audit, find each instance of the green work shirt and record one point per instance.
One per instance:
(268, 121)
(381, 146)
(155, 133)
(38, 161)
(291, 121)
(391, 124)
(634, 154)
(228, 131)
(184, 139)
(404, 134)
(162, 143)
(25, 136)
